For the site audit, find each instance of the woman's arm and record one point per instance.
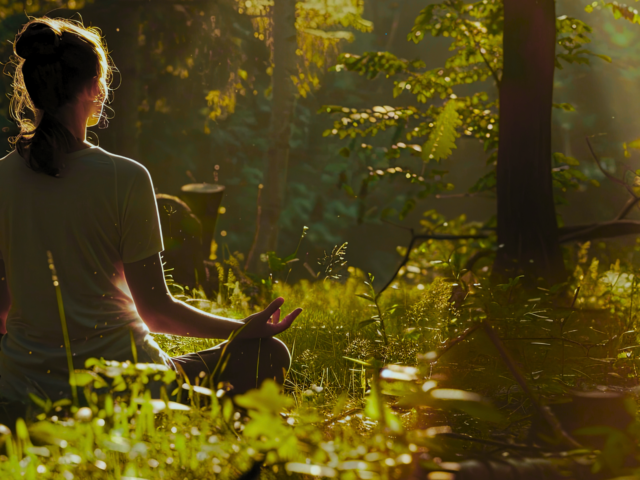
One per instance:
(164, 314)
(5, 299)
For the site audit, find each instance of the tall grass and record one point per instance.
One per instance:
(342, 415)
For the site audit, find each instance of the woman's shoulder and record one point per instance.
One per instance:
(12, 155)
(123, 165)
(11, 159)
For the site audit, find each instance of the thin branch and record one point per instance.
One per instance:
(415, 238)
(341, 416)
(604, 172)
(632, 202)
(542, 410)
(460, 338)
(494, 73)
(409, 229)
(461, 195)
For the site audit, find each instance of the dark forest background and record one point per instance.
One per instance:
(171, 55)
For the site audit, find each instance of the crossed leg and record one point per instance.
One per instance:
(250, 363)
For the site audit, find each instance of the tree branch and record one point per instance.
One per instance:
(460, 195)
(632, 202)
(494, 74)
(613, 228)
(601, 168)
(494, 443)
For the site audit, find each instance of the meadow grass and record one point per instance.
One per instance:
(357, 402)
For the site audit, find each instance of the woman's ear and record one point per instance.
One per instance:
(91, 91)
(94, 87)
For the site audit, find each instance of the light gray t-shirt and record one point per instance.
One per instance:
(100, 213)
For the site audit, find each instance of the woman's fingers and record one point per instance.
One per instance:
(275, 318)
(288, 320)
(272, 308)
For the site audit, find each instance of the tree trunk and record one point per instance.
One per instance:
(527, 226)
(283, 102)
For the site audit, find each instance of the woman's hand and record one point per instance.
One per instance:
(267, 323)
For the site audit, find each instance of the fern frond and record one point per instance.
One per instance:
(442, 139)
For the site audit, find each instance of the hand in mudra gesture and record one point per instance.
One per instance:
(267, 323)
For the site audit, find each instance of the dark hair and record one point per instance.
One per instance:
(57, 58)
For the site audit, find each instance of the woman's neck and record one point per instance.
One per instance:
(73, 117)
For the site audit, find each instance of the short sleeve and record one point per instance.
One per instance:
(140, 222)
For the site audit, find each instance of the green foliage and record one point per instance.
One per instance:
(475, 31)
(317, 25)
(566, 176)
(371, 64)
(619, 10)
(475, 34)
(353, 403)
(333, 265)
(573, 35)
(277, 264)
(442, 139)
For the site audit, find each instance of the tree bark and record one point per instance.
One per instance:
(527, 227)
(283, 102)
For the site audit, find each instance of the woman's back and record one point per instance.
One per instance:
(97, 214)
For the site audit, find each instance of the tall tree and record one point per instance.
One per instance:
(271, 197)
(527, 226)
(304, 36)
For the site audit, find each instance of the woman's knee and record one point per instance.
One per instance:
(276, 352)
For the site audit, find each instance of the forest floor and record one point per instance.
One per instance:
(436, 380)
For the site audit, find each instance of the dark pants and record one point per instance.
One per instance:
(250, 363)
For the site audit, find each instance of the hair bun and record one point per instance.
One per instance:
(37, 39)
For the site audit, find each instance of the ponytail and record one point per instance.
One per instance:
(42, 148)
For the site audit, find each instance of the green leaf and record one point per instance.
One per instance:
(349, 190)
(366, 296)
(567, 107)
(606, 58)
(364, 323)
(275, 263)
(267, 399)
(562, 158)
(40, 402)
(376, 409)
(359, 362)
(442, 139)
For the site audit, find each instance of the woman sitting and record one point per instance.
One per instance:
(94, 215)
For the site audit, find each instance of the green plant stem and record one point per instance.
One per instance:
(65, 331)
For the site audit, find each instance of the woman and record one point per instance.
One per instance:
(94, 214)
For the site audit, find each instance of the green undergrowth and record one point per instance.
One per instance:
(439, 370)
